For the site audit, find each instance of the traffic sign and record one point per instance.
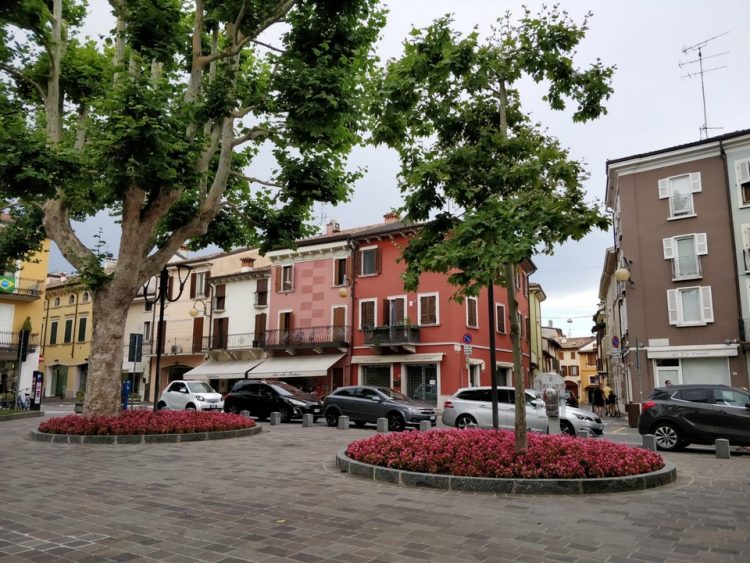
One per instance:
(467, 338)
(467, 349)
(615, 342)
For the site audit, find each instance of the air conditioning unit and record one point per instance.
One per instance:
(176, 348)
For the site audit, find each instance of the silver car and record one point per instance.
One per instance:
(472, 406)
(190, 395)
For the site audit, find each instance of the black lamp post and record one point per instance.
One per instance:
(162, 296)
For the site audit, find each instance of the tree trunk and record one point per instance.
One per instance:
(518, 375)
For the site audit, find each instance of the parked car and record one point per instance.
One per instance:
(190, 395)
(570, 399)
(363, 404)
(472, 406)
(679, 415)
(262, 398)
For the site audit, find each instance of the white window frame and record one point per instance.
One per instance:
(742, 174)
(665, 192)
(362, 251)
(505, 319)
(284, 269)
(200, 284)
(434, 294)
(675, 309)
(374, 301)
(700, 244)
(147, 331)
(474, 300)
(746, 245)
(402, 297)
(335, 269)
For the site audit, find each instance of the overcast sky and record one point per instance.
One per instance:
(652, 107)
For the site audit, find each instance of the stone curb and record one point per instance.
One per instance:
(143, 438)
(664, 476)
(20, 415)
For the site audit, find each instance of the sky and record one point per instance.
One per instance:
(655, 105)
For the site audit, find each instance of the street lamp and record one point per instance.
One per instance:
(194, 312)
(162, 296)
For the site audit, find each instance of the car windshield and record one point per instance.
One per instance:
(284, 389)
(200, 387)
(393, 394)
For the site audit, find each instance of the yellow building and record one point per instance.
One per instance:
(66, 336)
(21, 307)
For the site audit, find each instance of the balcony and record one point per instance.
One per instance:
(20, 289)
(393, 336)
(175, 346)
(9, 342)
(314, 337)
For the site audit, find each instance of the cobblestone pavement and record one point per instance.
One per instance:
(277, 497)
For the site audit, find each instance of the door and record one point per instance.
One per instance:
(177, 396)
(285, 326)
(732, 415)
(259, 337)
(339, 324)
(368, 405)
(695, 410)
(483, 408)
(421, 383)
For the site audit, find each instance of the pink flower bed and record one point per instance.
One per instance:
(138, 422)
(487, 453)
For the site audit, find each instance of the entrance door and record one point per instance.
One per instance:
(421, 382)
(339, 324)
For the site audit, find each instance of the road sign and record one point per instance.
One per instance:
(467, 338)
(615, 342)
(467, 349)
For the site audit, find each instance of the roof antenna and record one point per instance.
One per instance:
(699, 48)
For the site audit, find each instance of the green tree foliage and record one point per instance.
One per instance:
(157, 123)
(494, 187)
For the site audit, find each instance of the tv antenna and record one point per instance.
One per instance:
(699, 48)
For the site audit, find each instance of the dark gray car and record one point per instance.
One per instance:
(363, 404)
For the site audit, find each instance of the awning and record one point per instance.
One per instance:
(213, 369)
(302, 366)
(399, 359)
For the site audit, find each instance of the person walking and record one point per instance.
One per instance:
(612, 409)
(598, 400)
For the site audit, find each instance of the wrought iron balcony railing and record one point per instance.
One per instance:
(392, 335)
(23, 287)
(9, 342)
(308, 337)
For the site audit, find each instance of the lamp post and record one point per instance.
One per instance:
(162, 297)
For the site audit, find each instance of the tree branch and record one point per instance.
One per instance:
(56, 223)
(18, 74)
(267, 46)
(254, 180)
(251, 135)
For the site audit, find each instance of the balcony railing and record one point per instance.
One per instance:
(27, 288)
(309, 337)
(9, 342)
(392, 335)
(175, 346)
(243, 341)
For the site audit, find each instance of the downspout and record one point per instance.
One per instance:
(353, 248)
(75, 323)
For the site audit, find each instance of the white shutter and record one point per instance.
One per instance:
(701, 244)
(695, 182)
(664, 188)
(672, 306)
(746, 236)
(742, 168)
(708, 307)
(668, 244)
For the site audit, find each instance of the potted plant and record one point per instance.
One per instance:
(80, 397)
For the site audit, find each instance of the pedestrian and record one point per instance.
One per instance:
(612, 409)
(598, 400)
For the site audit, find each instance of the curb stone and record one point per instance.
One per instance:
(664, 476)
(128, 439)
(22, 415)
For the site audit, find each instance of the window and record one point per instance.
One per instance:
(500, 318)
(561, 354)
(197, 285)
(86, 297)
(742, 170)
(147, 331)
(72, 300)
(340, 271)
(680, 190)
(369, 261)
(746, 245)
(572, 355)
(284, 278)
(685, 252)
(53, 332)
(471, 312)
(82, 322)
(367, 314)
(68, 336)
(261, 293)
(690, 306)
(394, 311)
(428, 309)
(220, 297)
(590, 359)
(56, 302)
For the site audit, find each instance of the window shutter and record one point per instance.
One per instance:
(664, 188)
(278, 273)
(349, 273)
(706, 302)
(672, 306)
(500, 318)
(197, 334)
(695, 182)
(701, 244)
(742, 170)
(358, 263)
(387, 312)
(668, 244)
(193, 278)
(377, 260)
(170, 287)
(746, 236)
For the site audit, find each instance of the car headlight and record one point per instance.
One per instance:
(296, 403)
(200, 398)
(414, 410)
(583, 417)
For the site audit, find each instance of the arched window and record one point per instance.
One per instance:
(56, 302)
(86, 296)
(71, 300)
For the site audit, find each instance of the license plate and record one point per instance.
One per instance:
(316, 410)
(433, 419)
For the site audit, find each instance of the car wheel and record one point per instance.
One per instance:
(161, 405)
(359, 423)
(567, 428)
(190, 407)
(286, 415)
(396, 422)
(465, 421)
(668, 436)
(332, 417)
(234, 409)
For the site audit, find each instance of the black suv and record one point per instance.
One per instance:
(679, 415)
(367, 404)
(262, 398)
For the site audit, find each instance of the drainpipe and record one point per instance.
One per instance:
(353, 248)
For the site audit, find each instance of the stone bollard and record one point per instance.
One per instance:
(649, 442)
(722, 448)
(582, 433)
(343, 422)
(307, 420)
(275, 418)
(424, 425)
(245, 414)
(382, 425)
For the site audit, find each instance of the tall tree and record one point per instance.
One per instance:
(157, 126)
(494, 186)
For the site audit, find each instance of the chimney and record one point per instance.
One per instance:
(247, 264)
(332, 227)
(390, 217)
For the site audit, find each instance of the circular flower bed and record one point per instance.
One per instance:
(488, 453)
(142, 422)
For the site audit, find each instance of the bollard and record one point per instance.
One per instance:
(245, 414)
(275, 418)
(382, 425)
(424, 425)
(582, 433)
(343, 422)
(649, 442)
(307, 420)
(722, 448)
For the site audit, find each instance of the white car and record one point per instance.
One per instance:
(191, 396)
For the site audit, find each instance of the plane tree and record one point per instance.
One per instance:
(157, 122)
(493, 187)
